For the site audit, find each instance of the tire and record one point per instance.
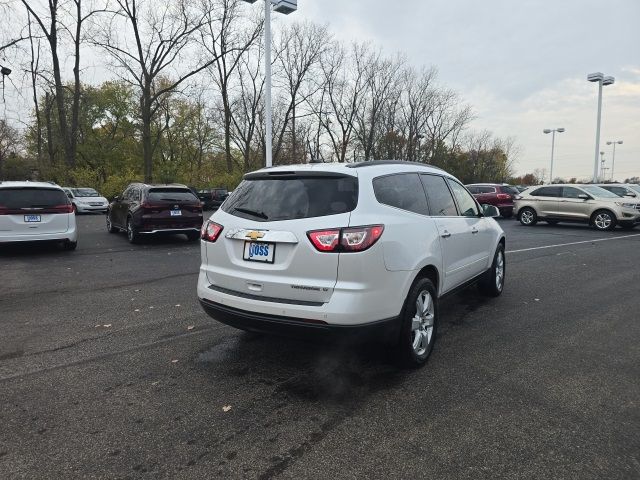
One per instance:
(69, 245)
(193, 236)
(603, 220)
(418, 332)
(492, 283)
(132, 235)
(528, 217)
(552, 222)
(110, 227)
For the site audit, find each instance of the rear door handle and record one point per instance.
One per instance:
(445, 234)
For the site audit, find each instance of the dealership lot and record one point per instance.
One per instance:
(110, 369)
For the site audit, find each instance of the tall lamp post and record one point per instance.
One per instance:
(602, 166)
(281, 6)
(602, 80)
(613, 159)
(553, 142)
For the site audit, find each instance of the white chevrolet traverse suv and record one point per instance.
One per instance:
(348, 248)
(33, 211)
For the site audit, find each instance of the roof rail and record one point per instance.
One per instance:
(372, 163)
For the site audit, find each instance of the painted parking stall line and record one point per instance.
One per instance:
(573, 243)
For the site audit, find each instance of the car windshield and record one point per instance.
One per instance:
(171, 195)
(270, 199)
(30, 197)
(84, 192)
(599, 192)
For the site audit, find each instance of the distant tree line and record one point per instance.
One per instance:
(185, 99)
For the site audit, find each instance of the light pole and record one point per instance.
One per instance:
(602, 166)
(281, 6)
(613, 159)
(553, 142)
(602, 80)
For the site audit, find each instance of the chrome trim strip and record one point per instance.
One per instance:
(264, 299)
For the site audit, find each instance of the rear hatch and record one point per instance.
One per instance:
(263, 250)
(170, 207)
(34, 210)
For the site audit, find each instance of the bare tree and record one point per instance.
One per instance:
(380, 83)
(164, 37)
(227, 33)
(300, 50)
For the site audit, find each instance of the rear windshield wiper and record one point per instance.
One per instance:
(262, 215)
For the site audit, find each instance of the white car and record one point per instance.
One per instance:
(34, 211)
(87, 200)
(348, 248)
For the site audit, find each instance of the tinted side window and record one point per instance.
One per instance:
(474, 190)
(466, 203)
(570, 192)
(546, 192)
(441, 202)
(618, 191)
(401, 191)
(487, 190)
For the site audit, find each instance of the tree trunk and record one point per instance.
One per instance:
(227, 130)
(147, 145)
(47, 117)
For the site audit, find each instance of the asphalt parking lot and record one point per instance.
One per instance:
(109, 369)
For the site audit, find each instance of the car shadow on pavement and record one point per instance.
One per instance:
(31, 249)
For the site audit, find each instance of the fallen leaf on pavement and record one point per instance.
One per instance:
(226, 408)
(175, 360)
(190, 327)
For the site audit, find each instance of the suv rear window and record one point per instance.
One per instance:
(171, 195)
(30, 197)
(296, 196)
(511, 190)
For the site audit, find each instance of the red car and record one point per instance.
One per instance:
(497, 194)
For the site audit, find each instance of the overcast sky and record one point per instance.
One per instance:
(521, 64)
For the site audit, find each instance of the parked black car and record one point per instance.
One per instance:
(155, 209)
(212, 198)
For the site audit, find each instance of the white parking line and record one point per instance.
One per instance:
(573, 243)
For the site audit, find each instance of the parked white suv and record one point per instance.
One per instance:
(33, 211)
(366, 248)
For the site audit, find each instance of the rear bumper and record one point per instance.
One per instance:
(387, 329)
(70, 235)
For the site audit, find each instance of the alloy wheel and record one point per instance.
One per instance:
(526, 217)
(500, 270)
(603, 221)
(422, 323)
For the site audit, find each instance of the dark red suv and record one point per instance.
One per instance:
(153, 209)
(497, 194)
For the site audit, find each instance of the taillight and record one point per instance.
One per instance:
(352, 239)
(210, 231)
(324, 240)
(504, 196)
(68, 208)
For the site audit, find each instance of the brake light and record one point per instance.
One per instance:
(324, 240)
(210, 231)
(352, 239)
(504, 196)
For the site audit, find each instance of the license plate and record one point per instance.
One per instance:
(176, 213)
(32, 218)
(259, 251)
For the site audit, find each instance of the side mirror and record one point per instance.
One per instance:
(584, 196)
(629, 194)
(490, 211)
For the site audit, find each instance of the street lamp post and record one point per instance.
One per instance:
(602, 166)
(613, 159)
(281, 6)
(602, 81)
(553, 142)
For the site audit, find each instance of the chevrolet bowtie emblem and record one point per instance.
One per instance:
(254, 235)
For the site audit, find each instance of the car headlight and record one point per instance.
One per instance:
(626, 205)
